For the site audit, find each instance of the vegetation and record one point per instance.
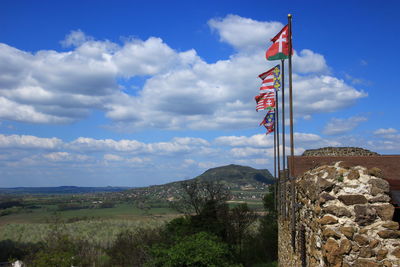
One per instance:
(141, 229)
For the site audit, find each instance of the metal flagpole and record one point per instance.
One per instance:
(292, 188)
(277, 146)
(276, 180)
(283, 136)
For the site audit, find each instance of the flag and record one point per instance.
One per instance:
(271, 79)
(269, 121)
(265, 101)
(280, 47)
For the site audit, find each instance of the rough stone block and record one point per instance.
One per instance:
(381, 184)
(327, 219)
(348, 231)
(345, 246)
(329, 232)
(385, 211)
(381, 254)
(361, 240)
(389, 233)
(337, 211)
(380, 198)
(364, 214)
(391, 225)
(353, 175)
(324, 197)
(375, 172)
(353, 199)
(366, 263)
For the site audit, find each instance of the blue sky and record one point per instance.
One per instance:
(133, 93)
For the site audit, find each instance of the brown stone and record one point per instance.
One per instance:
(353, 175)
(324, 197)
(389, 233)
(355, 248)
(387, 263)
(317, 209)
(363, 231)
(375, 172)
(331, 173)
(396, 252)
(385, 211)
(380, 198)
(361, 240)
(338, 211)
(348, 231)
(327, 219)
(329, 232)
(331, 252)
(353, 199)
(391, 225)
(379, 186)
(366, 263)
(374, 243)
(345, 165)
(365, 252)
(324, 185)
(381, 254)
(364, 214)
(345, 246)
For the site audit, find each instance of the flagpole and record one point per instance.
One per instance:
(276, 180)
(277, 146)
(291, 168)
(283, 134)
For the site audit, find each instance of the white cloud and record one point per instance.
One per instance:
(244, 33)
(339, 126)
(181, 91)
(29, 141)
(382, 131)
(258, 140)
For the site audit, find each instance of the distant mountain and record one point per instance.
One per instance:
(244, 183)
(60, 190)
(237, 175)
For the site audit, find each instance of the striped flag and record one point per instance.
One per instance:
(271, 79)
(271, 82)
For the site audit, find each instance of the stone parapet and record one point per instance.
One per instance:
(345, 217)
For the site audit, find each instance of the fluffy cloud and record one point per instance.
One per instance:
(29, 142)
(181, 89)
(340, 126)
(383, 131)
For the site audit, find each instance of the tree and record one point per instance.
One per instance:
(197, 194)
(198, 250)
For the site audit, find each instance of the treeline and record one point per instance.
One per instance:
(210, 234)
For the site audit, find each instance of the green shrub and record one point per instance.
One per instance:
(197, 250)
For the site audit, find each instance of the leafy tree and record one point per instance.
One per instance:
(198, 250)
(132, 248)
(197, 194)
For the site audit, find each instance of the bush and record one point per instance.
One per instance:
(132, 248)
(197, 250)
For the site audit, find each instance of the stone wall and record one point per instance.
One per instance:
(343, 218)
(339, 151)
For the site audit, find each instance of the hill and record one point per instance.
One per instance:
(237, 175)
(60, 190)
(245, 183)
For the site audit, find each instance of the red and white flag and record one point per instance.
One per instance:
(265, 101)
(280, 47)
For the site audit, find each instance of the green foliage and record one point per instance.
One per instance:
(197, 250)
(131, 248)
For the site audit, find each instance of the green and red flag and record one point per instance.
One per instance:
(280, 47)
